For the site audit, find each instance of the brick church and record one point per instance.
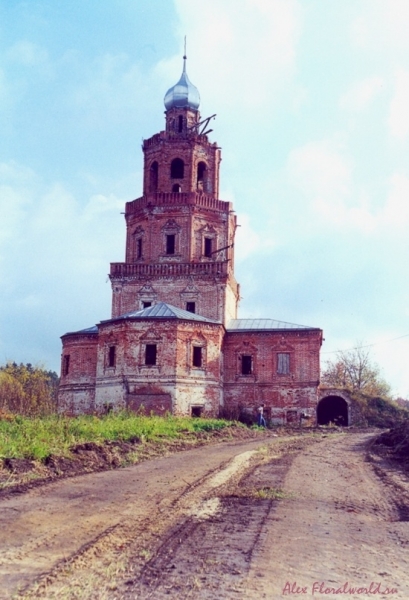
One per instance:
(174, 342)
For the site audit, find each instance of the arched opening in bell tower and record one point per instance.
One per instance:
(177, 169)
(201, 176)
(153, 177)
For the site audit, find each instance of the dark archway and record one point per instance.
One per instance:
(332, 409)
(177, 169)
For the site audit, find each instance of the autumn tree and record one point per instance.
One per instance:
(27, 389)
(355, 371)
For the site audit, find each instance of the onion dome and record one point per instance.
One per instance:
(184, 94)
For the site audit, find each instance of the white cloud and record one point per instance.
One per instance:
(399, 110)
(248, 52)
(395, 213)
(361, 94)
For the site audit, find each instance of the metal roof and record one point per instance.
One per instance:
(93, 329)
(263, 324)
(161, 310)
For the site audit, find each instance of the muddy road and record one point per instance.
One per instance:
(311, 516)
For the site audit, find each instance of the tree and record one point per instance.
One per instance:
(28, 390)
(354, 371)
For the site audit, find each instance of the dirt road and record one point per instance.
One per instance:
(296, 517)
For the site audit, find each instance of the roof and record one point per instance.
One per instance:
(161, 310)
(89, 330)
(264, 325)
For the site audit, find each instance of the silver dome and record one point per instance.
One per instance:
(184, 94)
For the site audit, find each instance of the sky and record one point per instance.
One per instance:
(312, 104)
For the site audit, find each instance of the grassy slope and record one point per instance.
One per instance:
(38, 438)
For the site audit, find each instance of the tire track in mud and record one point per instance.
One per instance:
(207, 555)
(94, 570)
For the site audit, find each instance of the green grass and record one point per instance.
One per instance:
(38, 438)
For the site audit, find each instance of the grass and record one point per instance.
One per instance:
(270, 493)
(40, 437)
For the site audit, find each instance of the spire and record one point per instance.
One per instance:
(184, 94)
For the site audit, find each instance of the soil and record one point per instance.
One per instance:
(306, 516)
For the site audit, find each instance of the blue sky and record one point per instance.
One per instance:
(312, 103)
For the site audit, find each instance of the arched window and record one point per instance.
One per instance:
(176, 188)
(201, 176)
(153, 177)
(177, 169)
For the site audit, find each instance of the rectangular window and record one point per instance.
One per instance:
(111, 356)
(150, 354)
(191, 307)
(146, 304)
(208, 247)
(246, 365)
(283, 363)
(197, 356)
(139, 248)
(196, 411)
(170, 244)
(66, 365)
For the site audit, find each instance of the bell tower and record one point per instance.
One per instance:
(179, 234)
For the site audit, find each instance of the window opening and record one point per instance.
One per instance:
(66, 365)
(180, 123)
(176, 188)
(197, 356)
(150, 354)
(153, 177)
(246, 365)
(208, 247)
(196, 411)
(283, 363)
(177, 168)
(201, 171)
(170, 243)
(191, 307)
(139, 248)
(111, 356)
(146, 304)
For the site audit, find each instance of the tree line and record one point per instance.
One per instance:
(27, 389)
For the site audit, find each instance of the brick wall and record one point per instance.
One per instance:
(285, 395)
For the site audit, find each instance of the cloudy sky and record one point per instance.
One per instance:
(312, 103)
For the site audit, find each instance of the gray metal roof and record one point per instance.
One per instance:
(93, 329)
(262, 324)
(161, 310)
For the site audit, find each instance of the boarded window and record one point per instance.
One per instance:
(283, 363)
(191, 307)
(170, 243)
(208, 247)
(111, 356)
(150, 354)
(177, 169)
(66, 365)
(246, 364)
(197, 356)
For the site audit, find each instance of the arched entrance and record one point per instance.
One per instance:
(332, 409)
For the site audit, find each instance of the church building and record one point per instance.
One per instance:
(174, 342)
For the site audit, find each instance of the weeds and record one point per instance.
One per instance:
(40, 437)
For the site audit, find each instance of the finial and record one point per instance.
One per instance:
(184, 58)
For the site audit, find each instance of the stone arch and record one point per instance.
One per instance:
(334, 406)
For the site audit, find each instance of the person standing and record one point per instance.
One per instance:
(261, 422)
